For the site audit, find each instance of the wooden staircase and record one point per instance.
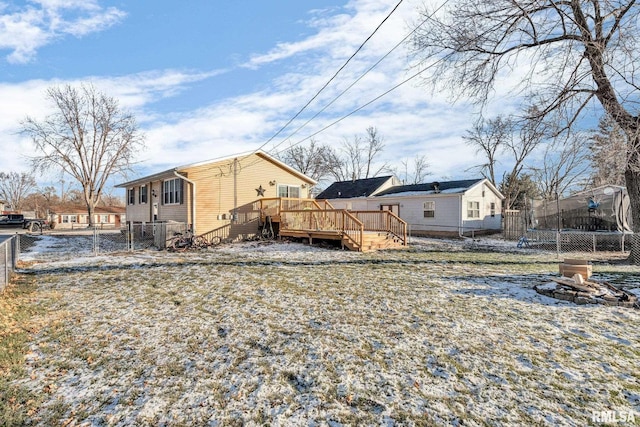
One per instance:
(374, 241)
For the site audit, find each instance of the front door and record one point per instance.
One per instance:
(395, 209)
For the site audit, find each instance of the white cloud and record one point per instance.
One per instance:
(134, 92)
(412, 120)
(25, 30)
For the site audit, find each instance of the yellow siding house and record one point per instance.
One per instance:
(217, 194)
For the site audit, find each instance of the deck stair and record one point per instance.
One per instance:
(357, 230)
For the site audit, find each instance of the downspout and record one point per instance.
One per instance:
(193, 199)
(460, 226)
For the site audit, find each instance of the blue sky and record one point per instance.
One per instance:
(208, 79)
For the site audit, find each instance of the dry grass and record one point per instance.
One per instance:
(433, 335)
(17, 308)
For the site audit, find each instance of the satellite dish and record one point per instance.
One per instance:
(608, 191)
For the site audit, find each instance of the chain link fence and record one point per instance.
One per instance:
(88, 241)
(577, 241)
(9, 253)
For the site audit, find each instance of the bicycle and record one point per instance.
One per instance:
(267, 233)
(181, 242)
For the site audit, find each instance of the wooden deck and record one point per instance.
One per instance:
(312, 219)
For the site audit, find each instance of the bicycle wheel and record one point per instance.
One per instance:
(200, 242)
(178, 244)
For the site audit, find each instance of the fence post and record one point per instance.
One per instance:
(16, 250)
(593, 236)
(6, 264)
(558, 244)
(95, 241)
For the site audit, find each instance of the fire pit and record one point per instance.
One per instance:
(581, 291)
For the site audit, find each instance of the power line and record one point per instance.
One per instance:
(335, 122)
(349, 87)
(332, 78)
(361, 76)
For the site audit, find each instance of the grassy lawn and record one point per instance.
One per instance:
(286, 334)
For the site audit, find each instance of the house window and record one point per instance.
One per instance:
(172, 191)
(102, 219)
(473, 209)
(131, 196)
(142, 195)
(429, 209)
(493, 209)
(292, 191)
(69, 219)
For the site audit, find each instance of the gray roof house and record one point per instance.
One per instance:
(460, 207)
(358, 187)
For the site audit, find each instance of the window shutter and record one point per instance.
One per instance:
(161, 192)
(181, 193)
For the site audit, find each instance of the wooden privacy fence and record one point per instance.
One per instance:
(514, 224)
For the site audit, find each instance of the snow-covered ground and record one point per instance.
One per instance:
(441, 333)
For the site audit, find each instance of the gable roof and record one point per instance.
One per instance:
(174, 171)
(444, 187)
(356, 188)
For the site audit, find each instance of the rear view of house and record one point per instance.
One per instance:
(219, 194)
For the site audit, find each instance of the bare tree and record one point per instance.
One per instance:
(15, 187)
(489, 137)
(565, 165)
(575, 54)
(414, 171)
(608, 147)
(531, 133)
(314, 160)
(88, 137)
(110, 199)
(359, 157)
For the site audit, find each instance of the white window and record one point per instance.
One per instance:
(131, 196)
(429, 209)
(68, 219)
(102, 219)
(493, 209)
(142, 195)
(473, 209)
(292, 191)
(172, 191)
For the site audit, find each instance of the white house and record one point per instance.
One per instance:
(436, 208)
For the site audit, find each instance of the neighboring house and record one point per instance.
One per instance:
(214, 195)
(77, 217)
(2, 203)
(437, 208)
(357, 189)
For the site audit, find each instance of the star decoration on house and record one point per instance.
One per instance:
(260, 191)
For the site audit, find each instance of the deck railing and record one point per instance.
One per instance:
(311, 214)
(383, 221)
(217, 235)
(274, 206)
(353, 229)
(327, 220)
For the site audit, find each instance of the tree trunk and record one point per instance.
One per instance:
(90, 210)
(632, 180)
